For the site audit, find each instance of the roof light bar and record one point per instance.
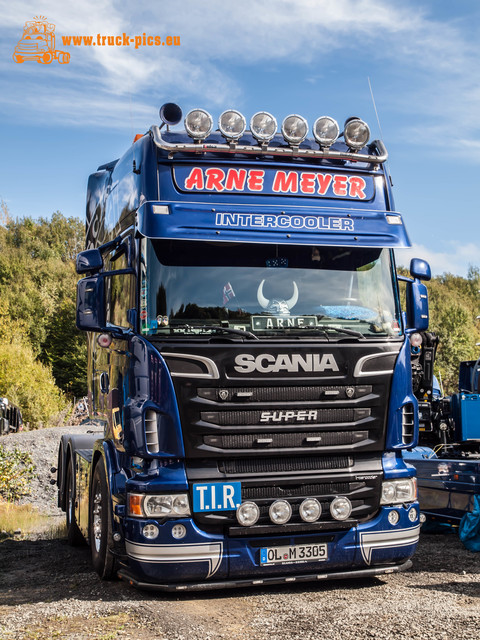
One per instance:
(198, 124)
(294, 129)
(263, 126)
(232, 124)
(356, 133)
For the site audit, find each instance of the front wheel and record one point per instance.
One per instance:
(100, 525)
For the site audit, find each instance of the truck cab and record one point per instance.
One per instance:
(249, 362)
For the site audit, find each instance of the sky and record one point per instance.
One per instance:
(59, 122)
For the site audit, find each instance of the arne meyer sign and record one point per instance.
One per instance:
(269, 181)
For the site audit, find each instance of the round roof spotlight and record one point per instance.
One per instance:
(294, 129)
(232, 124)
(356, 133)
(325, 131)
(263, 126)
(198, 124)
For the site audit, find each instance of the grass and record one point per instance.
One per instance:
(27, 519)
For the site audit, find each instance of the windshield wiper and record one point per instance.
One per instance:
(218, 329)
(348, 332)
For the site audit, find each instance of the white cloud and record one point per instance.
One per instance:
(216, 35)
(457, 260)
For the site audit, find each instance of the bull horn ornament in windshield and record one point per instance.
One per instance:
(277, 307)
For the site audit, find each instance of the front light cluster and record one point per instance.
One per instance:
(263, 126)
(280, 511)
(158, 506)
(399, 491)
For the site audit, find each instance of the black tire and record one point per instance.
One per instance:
(74, 535)
(100, 525)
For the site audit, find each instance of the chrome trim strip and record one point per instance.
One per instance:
(385, 539)
(215, 147)
(211, 552)
(358, 373)
(210, 364)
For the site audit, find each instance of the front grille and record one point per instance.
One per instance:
(285, 440)
(284, 465)
(364, 496)
(287, 416)
(300, 393)
(304, 490)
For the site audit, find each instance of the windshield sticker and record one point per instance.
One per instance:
(274, 181)
(280, 307)
(265, 221)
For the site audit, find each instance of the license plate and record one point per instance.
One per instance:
(216, 496)
(293, 553)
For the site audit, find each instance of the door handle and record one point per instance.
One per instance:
(104, 382)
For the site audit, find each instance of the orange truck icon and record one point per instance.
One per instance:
(38, 43)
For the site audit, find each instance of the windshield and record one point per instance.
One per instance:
(196, 288)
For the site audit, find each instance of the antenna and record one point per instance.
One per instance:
(375, 108)
(379, 127)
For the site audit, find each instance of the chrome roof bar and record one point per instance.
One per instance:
(265, 150)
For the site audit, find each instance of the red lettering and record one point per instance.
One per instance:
(285, 182)
(307, 183)
(255, 179)
(214, 179)
(324, 180)
(340, 185)
(357, 186)
(235, 179)
(194, 180)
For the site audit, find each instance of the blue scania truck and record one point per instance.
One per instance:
(249, 365)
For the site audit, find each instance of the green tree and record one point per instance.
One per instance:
(38, 284)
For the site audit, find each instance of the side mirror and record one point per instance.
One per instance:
(420, 269)
(417, 305)
(89, 261)
(91, 303)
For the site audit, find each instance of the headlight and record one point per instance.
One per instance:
(158, 506)
(294, 129)
(263, 126)
(310, 510)
(231, 124)
(280, 512)
(198, 124)
(399, 491)
(341, 508)
(356, 133)
(325, 131)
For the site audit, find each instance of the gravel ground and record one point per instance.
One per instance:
(50, 591)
